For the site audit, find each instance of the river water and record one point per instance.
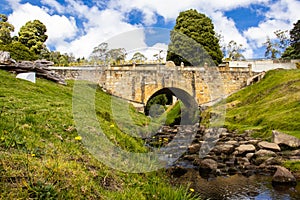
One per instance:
(237, 187)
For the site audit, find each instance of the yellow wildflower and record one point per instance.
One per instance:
(33, 155)
(111, 126)
(192, 190)
(78, 138)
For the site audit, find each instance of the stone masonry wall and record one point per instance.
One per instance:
(139, 83)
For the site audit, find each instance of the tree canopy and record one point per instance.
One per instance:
(234, 51)
(193, 40)
(104, 54)
(137, 56)
(293, 51)
(5, 29)
(33, 35)
(100, 52)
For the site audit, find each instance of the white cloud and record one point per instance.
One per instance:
(54, 4)
(59, 28)
(99, 24)
(101, 27)
(281, 15)
(226, 27)
(170, 9)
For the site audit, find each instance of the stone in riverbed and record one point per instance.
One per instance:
(232, 142)
(208, 165)
(282, 138)
(246, 148)
(223, 148)
(283, 176)
(194, 148)
(264, 152)
(269, 146)
(249, 155)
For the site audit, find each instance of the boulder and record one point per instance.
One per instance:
(249, 155)
(208, 165)
(232, 142)
(194, 148)
(246, 148)
(5, 58)
(264, 152)
(282, 138)
(224, 148)
(262, 156)
(283, 176)
(269, 146)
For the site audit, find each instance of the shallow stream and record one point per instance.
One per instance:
(237, 187)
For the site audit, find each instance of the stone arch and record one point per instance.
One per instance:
(190, 103)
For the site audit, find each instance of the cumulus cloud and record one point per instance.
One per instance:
(54, 4)
(226, 27)
(59, 28)
(75, 26)
(281, 16)
(101, 27)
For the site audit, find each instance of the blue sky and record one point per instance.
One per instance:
(76, 26)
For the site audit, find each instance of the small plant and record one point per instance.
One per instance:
(40, 190)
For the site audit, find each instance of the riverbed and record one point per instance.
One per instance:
(239, 187)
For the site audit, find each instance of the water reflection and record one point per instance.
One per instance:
(238, 187)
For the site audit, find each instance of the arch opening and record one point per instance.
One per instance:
(189, 110)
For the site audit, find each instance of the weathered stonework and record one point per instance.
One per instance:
(139, 82)
(203, 84)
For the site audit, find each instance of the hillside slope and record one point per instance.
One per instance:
(272, 104)
(42, 156)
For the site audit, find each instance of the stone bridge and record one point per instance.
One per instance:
(139, 83)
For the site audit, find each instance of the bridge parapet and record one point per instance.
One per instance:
(137, 83)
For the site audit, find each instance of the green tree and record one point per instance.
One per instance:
(116, 55)
(100, 53)
(277, 46)
(293, 51)
(295, 37)
(19, 51)
(155, 105)
(193, 40)
(5, 29)
(271, 49)
(33, 35)
(138, 57)
(234, 51)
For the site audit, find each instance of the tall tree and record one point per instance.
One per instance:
(100, 52)
(33, 35)
(138, 57)
(5, 29)
(193, 40)
(234, 51)
(116, 55)
(158, 57)
(283, 39)
(294, 49)
(271, 49)
(276, 46)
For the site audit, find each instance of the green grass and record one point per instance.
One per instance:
(174, 114)
(41, 156)
(293, 165)
(271, 104)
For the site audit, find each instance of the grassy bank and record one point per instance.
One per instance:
(42, 157)
(272, 104)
